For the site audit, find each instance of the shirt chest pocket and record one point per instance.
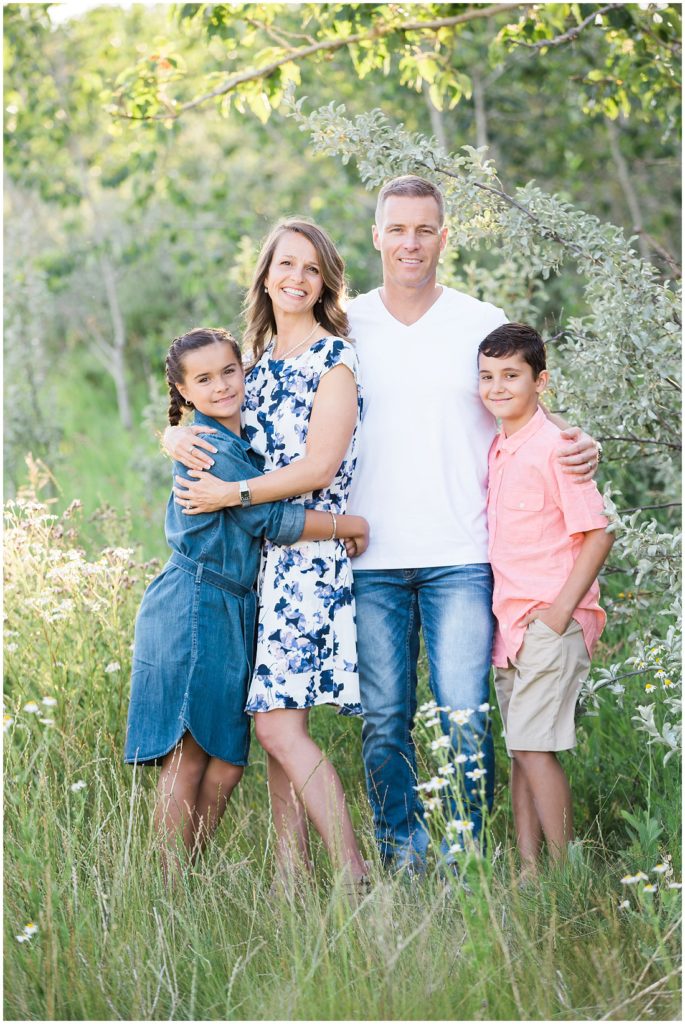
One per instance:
(523, 514)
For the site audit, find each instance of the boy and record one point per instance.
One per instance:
(548, 541)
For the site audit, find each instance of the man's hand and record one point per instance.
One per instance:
(206, 494)
(552, 617)
(581, 456)
(185, 447)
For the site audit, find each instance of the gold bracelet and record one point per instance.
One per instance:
(335, 526)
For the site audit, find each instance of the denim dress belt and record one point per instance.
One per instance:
(215, 579)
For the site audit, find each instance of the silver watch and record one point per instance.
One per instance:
(245, 496)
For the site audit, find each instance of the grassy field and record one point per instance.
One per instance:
(110, 942)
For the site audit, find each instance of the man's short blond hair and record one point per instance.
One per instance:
(410, 185)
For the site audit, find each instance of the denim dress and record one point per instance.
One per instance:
(195, 630)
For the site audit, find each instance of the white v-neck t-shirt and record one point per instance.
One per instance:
(421, 474)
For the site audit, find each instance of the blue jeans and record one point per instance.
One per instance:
(453, 606)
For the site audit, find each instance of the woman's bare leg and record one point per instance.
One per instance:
(283, 734)
(177, 790)
(552, 798)
(290, 823)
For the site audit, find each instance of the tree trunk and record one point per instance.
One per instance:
(437, 119)
(118, 367)
(626, 184)
(480, 110)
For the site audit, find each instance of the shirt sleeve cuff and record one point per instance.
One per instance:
(291, 525)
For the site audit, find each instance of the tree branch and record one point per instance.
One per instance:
(664, 253)
(572, 33)
(329, 45)
(644, 508)
(642, 440)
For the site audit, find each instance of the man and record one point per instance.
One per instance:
(421, 482)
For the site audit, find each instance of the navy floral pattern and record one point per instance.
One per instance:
(307, 638)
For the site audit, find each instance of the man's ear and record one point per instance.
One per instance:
(375, 234)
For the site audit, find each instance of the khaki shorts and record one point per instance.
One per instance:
(537, 694)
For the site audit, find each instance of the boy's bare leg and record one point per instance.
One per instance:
(551, 796)
(526, 820)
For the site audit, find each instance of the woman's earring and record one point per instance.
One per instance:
(189, 404)
(266, 290)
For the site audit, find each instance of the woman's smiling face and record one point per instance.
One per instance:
(294, 278)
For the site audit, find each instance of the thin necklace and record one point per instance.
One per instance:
(286, 354)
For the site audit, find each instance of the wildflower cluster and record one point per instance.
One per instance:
(458, 781)
(68, 619)
(664, 880)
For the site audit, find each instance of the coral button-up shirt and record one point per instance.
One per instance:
(537, 515)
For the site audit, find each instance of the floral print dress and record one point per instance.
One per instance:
(306, 638)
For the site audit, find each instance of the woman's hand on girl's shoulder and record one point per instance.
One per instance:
(184, 445)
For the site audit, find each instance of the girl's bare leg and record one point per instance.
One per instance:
(177, 790)
(552, 797)
(290, 823)
(527, 823)
(283, 734)
(218, 782)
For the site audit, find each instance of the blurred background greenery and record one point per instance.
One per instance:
(122, 230)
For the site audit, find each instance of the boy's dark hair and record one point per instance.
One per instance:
(175, 374)
(520, 338)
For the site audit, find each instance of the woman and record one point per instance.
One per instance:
(301, 412)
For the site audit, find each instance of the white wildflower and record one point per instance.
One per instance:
(76, 786)
(446, 769)
(113, 666)
(31, 707)
(440, 743)
(660, 869)
(461, 716)
(460, 759)
(624, 905)
(649, 888)
(46, 721)
(477, 773)
(49, 702)
(675, 885)
(11, 648)
(484, 707)
(7, 721)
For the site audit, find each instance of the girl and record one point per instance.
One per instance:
(194, 635)
(302, 411)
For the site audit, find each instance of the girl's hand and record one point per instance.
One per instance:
(552, 617)
(358, 543)
(183, 444)
(580, 458)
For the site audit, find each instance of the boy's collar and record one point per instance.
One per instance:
(514, 441)
(201, 420)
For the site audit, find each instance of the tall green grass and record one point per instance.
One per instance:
(114, 943)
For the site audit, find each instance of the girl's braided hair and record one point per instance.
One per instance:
(197, 338)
